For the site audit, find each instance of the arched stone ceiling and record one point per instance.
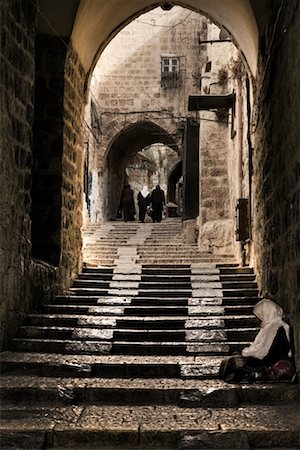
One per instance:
(136, 137)
(98, 21)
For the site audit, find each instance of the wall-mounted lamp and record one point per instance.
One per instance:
(166, 6)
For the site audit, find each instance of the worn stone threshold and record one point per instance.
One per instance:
(156, 427)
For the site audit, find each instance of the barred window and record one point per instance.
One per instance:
(170, 72)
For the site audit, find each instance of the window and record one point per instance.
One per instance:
(170, 72)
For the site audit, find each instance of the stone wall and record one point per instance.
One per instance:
(277, 164)
(218, 150)
(126, 85)
(72, 168)
(25, 281)
(22, 280)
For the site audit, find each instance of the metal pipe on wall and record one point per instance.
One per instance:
(239, 138)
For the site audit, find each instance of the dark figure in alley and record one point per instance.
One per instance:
(127, 204)
(143, 199)
(158, 201)
(269, 356)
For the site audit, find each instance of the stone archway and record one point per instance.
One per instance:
(125, 145)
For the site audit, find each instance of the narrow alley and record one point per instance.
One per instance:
(150, 224)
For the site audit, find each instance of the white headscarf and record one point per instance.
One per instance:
(270, 315)
(145, 191)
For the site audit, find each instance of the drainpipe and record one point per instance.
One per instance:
(239, 154)
(239, 137)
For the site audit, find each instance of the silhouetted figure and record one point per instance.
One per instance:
(143, 199)
(127, 202)
(158, 201)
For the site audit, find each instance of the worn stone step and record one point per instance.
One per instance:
(173, 348)
(228, 285)
(110, 366)
(99, 270)
(240, 292)
(105, 319)
(146, 278)
(231, 270)
(237, 277)
(17, 390)
(95, 276)
(117, 301)
(97, 284)
(251, 301)
(131, 334)
(159, 292)
(145, 427)
(116, 310)
(73, 346)
(166, 301)
(158, 284)
(89, 291)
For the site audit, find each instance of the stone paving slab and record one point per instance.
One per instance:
(190, 393)
(158, 426)
(90, 359)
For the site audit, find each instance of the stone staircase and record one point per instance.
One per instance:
(129, 357)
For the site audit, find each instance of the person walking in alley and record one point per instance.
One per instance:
(127, 203)
(158, 201)
(143, 199)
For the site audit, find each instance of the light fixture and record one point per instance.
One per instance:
(166, 6)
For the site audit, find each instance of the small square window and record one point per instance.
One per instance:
(170, 73)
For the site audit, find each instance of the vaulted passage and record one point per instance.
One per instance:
(128, 142)
(133, 324)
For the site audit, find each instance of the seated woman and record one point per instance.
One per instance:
(271, 346)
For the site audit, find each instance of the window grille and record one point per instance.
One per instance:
(170, 72)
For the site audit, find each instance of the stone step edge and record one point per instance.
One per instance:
(184, 392)
(204, 317)
(144, 330)
(202, 343)
(155, 427)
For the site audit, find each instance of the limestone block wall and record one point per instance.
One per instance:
(72, 167)
(219, 149)
(126, 83)
(276, 165)
(25, 281)
(20, 277)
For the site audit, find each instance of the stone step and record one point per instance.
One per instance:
(100, 270)
(16, 390)
(132, 334)
(146, 278)
(119, 300)
(136, 322)
(101, 284)
(73, 346)
(95, 276)
(145, 310)
(240, 292)
(237, 277)
(178, 260)
(159, 292)
(235, 270)
(229, 285)
(110, 366)
(116, 310)
(152, 426)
